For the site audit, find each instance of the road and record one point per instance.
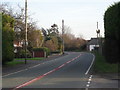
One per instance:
(70, 71)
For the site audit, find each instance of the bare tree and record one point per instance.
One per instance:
(19, 26)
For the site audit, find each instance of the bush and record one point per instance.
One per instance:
(47, 50)
(23, 54)
(7, 38)
(44, 49)
(17, 54)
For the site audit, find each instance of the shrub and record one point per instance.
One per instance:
(23, 54)
(7, 38)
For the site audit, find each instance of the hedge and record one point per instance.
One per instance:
(112, 33)
(44, 49)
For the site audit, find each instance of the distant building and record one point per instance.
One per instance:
(17, 45)
(93, 44)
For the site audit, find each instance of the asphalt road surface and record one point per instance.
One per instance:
(70, 71)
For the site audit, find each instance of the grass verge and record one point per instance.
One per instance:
(29, 58)
(13, 63)
(101, 66)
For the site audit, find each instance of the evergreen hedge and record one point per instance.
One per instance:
(7, 38)
(112, 33)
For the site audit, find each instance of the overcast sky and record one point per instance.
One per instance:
(80, 15)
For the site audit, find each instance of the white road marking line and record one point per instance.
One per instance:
(87, 85)
(35, 66)
(22, 70)
(90, 76)
(14, 72)
(88, 82)
(90, 65)
(25, 69)
(30, 67)
(89, 79)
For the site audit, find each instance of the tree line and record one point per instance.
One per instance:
(13, 31)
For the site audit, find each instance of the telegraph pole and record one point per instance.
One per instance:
(98, 34)
(99, 41)
(98, 31)
(62, 36)
(25, 31)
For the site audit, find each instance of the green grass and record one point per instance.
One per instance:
(13, 63)
(41, 58)
(101, 66)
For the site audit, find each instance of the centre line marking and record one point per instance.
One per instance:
(39, 77)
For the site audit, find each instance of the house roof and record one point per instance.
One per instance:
(93, 41)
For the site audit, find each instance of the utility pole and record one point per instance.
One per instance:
(98, 31)
(62, 36)
(99, 41)
(25, 31)
(98, 34)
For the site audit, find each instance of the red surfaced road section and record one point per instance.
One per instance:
(39, 77)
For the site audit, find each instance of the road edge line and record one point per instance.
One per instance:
(91, 64)
(24, 69)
